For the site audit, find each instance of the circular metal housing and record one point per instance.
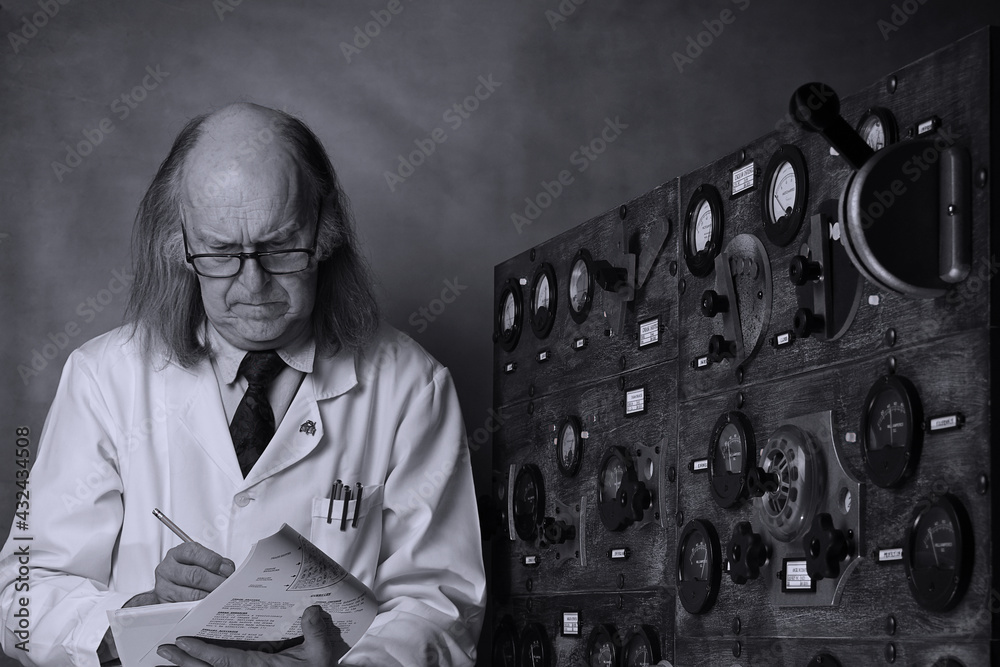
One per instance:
(529, 501)
(602, 647)
(791, 454)
(937, 553)
(699, 566)
(891, 430)
(878, 128)
(731, 452)
(640, 648)
(509, 315)
(569, 446)
(580, 286)
(783, 201)
(543, 300)
(535, 648)
(505, 644)
(703, 230)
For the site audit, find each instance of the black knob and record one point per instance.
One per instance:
(633, 496)
(746, 553)
(825, 547)
(719, 348)
(557, 531)
(806, 323)
(760, 482)
(802, 269)
(816, 107)
(713, 303)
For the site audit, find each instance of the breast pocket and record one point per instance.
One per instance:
(350, 533)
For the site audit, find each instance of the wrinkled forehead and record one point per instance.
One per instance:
(232, 184)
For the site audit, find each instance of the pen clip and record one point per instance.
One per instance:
(347, 502)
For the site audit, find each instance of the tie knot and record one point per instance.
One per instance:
(259, 368)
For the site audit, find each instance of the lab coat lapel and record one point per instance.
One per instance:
(205, 417)
(302, 429)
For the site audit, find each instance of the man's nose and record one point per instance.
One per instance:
(253, 276)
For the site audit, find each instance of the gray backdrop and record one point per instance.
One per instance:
(92, 94)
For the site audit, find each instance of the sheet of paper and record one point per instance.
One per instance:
(262, 601)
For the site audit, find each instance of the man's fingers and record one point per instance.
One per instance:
(322, 642)
(192, 553)
(191, 652)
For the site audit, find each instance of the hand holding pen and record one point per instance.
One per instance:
(187, 572)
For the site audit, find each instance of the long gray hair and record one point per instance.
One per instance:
(165, 308)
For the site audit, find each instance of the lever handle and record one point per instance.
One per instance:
(816, 108)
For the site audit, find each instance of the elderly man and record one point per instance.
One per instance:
(253, 374)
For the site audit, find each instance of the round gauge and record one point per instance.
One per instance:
(640, 648)
(602, 648)
(535, 649)
(509, 315)
(581, 286)
(783, 201)
(614, 470)
(505, 644)
(730, 453)
(529, 502)
(569, 446)
(878, 128)
(703, 230)
(543, 300)
(937, 553)
(891, 430)
(699, 568)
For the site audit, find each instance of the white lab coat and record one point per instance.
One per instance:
(124, 436)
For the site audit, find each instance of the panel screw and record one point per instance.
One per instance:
(890, 337)
(531, 390)
(891, 363)
(621, 581)
(681, 286)
(622, 211)
(531, 407)
(737, 649)
(890, 625)
(737, 625)
(890, 653)
(672, 473)
(743, 156)
(739, 375)
(891, 84)
(529, 584)
(531, 255)
(981, 177)
(623, 362)
(621, 384)
(982, 484)
(680, 518)
(673, 268)
(740, 398)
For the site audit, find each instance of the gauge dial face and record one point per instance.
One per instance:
(891, 434)
(505, 644)
(703, 230)
(699, 569)
(938, 553)
(782, 191)
(580, 286)
(731, 450)
(878, 128)
(640, 649)
(783, 202)
(509, 315)
(529, 502)
(535, 650)
(543, 300)
(614, 502)
(602, 650)
(569, 446)
(702, 226)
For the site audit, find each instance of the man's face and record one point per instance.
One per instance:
(255, 206)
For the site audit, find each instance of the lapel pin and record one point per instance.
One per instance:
(308, 427)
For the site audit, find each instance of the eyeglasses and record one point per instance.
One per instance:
(229, 264)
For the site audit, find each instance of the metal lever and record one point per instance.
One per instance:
(816, 107)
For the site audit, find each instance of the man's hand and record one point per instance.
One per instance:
(322, 647)
(188, 572)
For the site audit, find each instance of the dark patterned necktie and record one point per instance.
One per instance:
(253, 421)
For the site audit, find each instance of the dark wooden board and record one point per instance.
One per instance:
(529, 439)
(622, 610)
(603, 356)
(951, 462)
(953, 85)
